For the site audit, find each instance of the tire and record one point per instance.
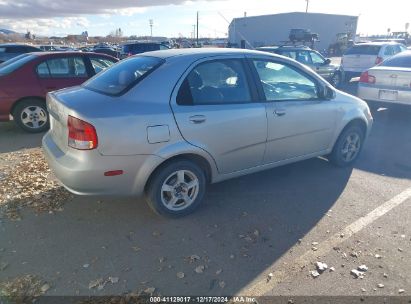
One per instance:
(336, 80)
(168, 192)
(348, 146)
(31, 115)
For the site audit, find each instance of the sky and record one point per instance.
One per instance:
(174, 18)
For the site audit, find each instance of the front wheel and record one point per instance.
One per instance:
(336, 80)
(348, 146)
(176, 189)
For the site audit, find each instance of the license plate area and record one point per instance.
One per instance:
(388, 95)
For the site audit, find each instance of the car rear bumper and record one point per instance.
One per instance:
(367, 92)
(82, 172)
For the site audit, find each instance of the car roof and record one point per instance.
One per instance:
(15, 44)
(285, 47)
(381, 43)
(200, 52)
(41, 54)
(142, 42)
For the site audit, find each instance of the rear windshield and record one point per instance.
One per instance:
(364, 50)
(13, 64)
(121, 77)
(401, 61)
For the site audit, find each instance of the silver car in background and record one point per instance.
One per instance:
(363, 56)
(388, 82)
(164, 124)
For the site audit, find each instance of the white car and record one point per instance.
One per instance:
(363, 56)
(389, 81)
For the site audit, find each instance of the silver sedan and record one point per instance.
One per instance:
(388, 82)
(165, 124)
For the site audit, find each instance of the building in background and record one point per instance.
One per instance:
(256, 31)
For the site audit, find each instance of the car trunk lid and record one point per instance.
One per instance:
(393, 77)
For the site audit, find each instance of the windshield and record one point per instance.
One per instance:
(13, 64)
(403, 61)
(121, 77)
(364, 50)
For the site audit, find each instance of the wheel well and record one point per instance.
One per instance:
(25, 99)
(357, 122)
(197, 159)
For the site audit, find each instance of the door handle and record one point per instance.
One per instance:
(197, 119)
(279, 112)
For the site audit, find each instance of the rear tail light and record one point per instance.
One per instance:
(367, 78)
(378, 60)
(82, 135)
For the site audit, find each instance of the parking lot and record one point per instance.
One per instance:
(256, 235)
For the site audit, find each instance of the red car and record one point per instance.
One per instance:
(26, 79)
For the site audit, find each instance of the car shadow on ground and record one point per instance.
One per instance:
(244, 226)
(12, 138)
(386, 150)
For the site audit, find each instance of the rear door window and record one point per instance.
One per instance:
(364, 50)
(65, 67)
(43, 70)
(215, 82)
(121, 77)
(303, 57)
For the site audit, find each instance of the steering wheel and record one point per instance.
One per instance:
(270, 89)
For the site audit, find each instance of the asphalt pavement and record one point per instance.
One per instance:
(256, 235)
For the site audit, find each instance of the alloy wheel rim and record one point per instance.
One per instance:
(351, 147)
(179, 190)
(33, 117)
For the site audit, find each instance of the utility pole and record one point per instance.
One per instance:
(197, 28)
(151, 22)
(306, 8)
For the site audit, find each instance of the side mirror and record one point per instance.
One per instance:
(327, 93)
(327, 61)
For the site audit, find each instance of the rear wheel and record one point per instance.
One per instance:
(31, 115)
(176, 189)
(348, 146)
